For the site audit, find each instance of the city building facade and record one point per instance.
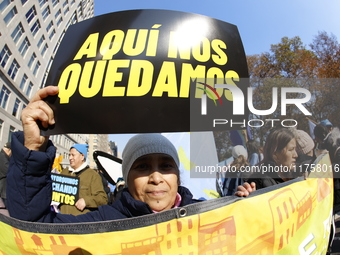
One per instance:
(30, 34)
(98, 142)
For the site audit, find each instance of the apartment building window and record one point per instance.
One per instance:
(43, 51)
(23, 81)
(42, 2)
(4, 4)
(1, 126)
(4, 56)
(55, 2)
(59, 21)
(17, 32)
(31, 14)
(4, 95)
(36, 68)
(74, 19)
(11, 130)
(49, 26)
(58, 13)
(46, 12)
(52, 34)
(72, 2)
(23, 1)
(29, 89)
(65, 3)
(24, 46)
(10, 15)
(12, 71)
(35, 28)
(16, 107)
(32, 59)
(66, 10)
(40, 42)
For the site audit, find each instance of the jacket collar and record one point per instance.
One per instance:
(132, 207)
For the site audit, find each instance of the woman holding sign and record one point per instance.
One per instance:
(150, 168)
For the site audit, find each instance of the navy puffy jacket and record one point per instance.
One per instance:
(29, 190)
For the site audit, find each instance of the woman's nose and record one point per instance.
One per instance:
(156, 177)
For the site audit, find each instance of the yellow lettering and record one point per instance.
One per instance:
(140, 73)
(135, 45)
(201, 51)
(166, 81)
(174, 47)
(71, 200)
(112, 43)
(113, 76)
(215, 76)
(220, 58)
(153, 41)
(89, 47)
(188, 74)
(55, 196)
(62, 197)
(230, 76)
(68, 82)
(89, 89)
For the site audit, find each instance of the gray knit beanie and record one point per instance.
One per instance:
(143, 144)
(304, 143)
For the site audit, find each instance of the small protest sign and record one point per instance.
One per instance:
(65, 189)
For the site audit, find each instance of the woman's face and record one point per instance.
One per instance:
(287, 157)
(153, 179)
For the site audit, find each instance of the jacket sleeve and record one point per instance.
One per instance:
(29, 187)
(98, 196)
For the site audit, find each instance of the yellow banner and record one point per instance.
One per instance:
(295, 218)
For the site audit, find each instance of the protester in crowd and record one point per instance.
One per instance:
(118, 188)
(91, 190)
(253, 152)
(150, 168)
(328, 124)
(5, 155)
(330, 141)
(105, 183)
(234, 174)
(322, 130)
(261, 152)
(305, 149)
(280, 153)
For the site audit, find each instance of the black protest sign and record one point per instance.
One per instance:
(65, 189)
(147, 71)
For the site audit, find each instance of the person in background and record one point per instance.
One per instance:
(305, 149)
(253, 152)
(5, 155)
(330, 141)
(234, 176)
(328, 124)
(322, 130)
(91, 190)
(150, 168)
(279, 152)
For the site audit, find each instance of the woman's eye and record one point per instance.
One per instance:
(141, 166)
(167, 166)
